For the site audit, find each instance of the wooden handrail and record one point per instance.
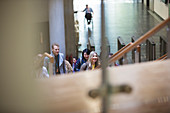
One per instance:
(162, 57)
(49, 56)
(120, 50)
(116, 53)
(140, 40)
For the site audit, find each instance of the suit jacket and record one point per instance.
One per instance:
(62, 66)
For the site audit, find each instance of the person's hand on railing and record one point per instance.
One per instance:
(78, 11)
(75, 11)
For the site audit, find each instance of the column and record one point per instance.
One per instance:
(69, 28)
(61, 19)
(56, 24)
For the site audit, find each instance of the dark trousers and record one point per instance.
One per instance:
(88, 16)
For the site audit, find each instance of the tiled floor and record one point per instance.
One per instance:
(124, 18)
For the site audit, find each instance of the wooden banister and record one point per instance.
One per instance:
(116, 54)
(162, 57)
(49, 56)
(140, 40)
(121, 50)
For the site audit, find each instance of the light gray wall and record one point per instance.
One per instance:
(56, 24)
(40, 13)
(158, 7)
(144, 2)
(161, 9)
(151, 3)
(69, 28)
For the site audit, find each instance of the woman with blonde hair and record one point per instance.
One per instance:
(92, 62)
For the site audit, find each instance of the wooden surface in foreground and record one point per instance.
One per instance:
(149, 82)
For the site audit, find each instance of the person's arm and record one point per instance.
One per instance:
(45, 72)
(84, 10)
(77, 66)
(46, 62)
(64, 64)
(83, 67)
(91, 10)
(70, 68)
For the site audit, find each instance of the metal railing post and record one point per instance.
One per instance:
(163, 46)
(153, 52)
(137, 54)
(125, 60)
(121, 44)
(150, 50)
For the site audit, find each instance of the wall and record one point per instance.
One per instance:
(61, 18)
(69, 28)
(42, 38)
(40, 14)
(151, 5)
(18, 30)
(56, 20)
(144, 2)
(161, 9)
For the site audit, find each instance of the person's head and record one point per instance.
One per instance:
(38, 61)
(87, 6)
(93, 57)
(55, 49)
(85, 54)
(74, 59)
